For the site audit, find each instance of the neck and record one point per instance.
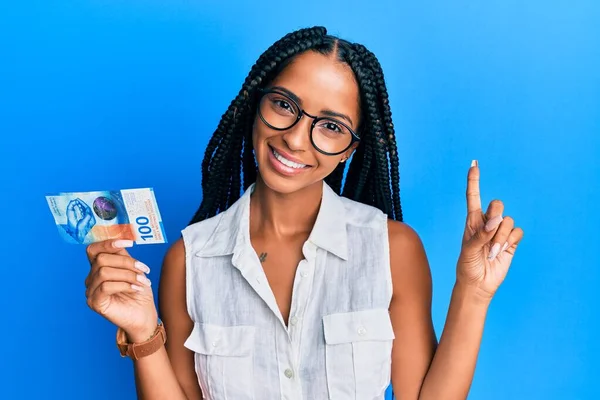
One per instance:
(280, 215)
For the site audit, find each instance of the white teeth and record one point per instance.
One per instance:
(287, 162)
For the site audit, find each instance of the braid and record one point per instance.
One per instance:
(248, 161)
(390, 135)
(377, 180)
(372, 175)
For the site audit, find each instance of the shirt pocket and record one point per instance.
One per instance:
(223, 360)
(358, 354)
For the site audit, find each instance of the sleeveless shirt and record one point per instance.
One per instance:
(338, 340)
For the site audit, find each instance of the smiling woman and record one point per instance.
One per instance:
(296, 283)
(327, 77)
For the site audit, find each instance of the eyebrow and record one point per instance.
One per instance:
(327, 112)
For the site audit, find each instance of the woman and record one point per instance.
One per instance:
(291, 291)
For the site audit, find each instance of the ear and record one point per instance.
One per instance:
(348, 153)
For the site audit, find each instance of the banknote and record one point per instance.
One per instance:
(88, 217)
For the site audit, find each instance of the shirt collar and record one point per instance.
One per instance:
(329, 231)
(232, 231)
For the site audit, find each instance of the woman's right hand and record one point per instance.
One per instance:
(117, 288)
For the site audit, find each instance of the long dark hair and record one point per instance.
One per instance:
(372, 178)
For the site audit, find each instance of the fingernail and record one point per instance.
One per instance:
(505, 246)
(142, 267)
(136, 287)
(493, 223)
(143, 279)
(474, 163)
(494, 252)
(121, 244)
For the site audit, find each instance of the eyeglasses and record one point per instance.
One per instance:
(328, 135)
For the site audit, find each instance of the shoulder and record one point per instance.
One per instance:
(360, 214)
(203, 226)
(175, 254)
(408, 260)
(190, 238)
(403, 236)
(172, 273)
(196, 235)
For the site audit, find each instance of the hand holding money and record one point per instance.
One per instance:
(117, 288)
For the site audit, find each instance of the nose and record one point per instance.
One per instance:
(297, 137)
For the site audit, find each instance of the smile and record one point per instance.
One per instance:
(286, 162)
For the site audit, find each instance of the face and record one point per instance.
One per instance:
(287, 161)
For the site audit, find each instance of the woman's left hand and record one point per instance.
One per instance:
(489, 242)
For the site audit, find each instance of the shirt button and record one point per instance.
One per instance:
(362, 331)
(288, 373)
(293, 320)
(304, 273)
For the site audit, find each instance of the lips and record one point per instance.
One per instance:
(287, 156)
(288, 159)
(284, 165)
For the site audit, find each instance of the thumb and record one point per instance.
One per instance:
(486, 232)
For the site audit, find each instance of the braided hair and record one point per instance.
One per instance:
(372, 177)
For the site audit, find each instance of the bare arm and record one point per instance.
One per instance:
(410, 311)
(117, 288)
(451, 372)
(481, 268)
(421, 369)
(169, 373)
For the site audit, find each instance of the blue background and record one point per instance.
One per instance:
(97, 95)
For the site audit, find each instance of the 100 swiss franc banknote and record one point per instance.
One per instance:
(87, 217)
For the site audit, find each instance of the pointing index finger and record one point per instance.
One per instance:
(473, 196)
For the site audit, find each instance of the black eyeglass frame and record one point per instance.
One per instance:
(301, 112)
